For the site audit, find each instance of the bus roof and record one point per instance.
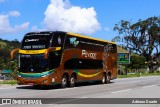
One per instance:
(82, 36)
(77, 35)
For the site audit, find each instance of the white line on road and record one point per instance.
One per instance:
(83, 97)
(149, 86)
(7, 88)
(62, 89)
(121, 91)
(135, 81)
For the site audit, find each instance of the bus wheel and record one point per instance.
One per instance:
(108, 79)
(72, 81)
(37, 86)
(103, 79)
(64, 81)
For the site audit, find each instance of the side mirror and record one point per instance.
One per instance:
(47, 51)
(13, 52)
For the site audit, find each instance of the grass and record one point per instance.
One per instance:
(12, 82)
(139, 75)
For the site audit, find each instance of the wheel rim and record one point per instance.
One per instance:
(64, 82)
(108, 79)
(72, 80)
(103, 79)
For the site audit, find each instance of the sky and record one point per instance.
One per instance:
(95, 18)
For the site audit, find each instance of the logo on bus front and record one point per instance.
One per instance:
(74, 41)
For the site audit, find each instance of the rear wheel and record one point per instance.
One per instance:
(103, 79)
(108, 79)
(64, 81)
(37, 86)
(72, 81)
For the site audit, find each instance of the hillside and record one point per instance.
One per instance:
(5, 49)
(2, 44)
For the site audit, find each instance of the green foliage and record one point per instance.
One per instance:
(137, 62)
(5, 49)
(138, 75)
(142, 37)
(12, 82)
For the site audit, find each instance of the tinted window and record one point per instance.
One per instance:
(87, 44)
(32, 63)
(58, 39)
(83, 64)
(54, 59)
(35, 41)
(37, 63)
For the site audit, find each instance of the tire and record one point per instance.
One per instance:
(72, 81)
(103, 79)
(64, 81)
(37, 86)
(108, 79)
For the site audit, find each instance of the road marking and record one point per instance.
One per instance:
(63, 89)
(121, 91)
(135, 81)
(74, 99)
(149, 86)
(7, 88)
(83, 97)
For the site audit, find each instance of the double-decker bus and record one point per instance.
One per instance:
(55, 57)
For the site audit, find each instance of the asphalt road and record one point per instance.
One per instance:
(141, 87)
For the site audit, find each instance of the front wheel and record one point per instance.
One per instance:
(64, 81)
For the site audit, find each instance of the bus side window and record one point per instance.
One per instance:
(54, 59)
(58, 40)
(83, 64)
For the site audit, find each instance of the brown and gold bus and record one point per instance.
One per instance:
(48, 58)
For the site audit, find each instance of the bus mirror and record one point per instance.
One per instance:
(12, 52)
(47, 51)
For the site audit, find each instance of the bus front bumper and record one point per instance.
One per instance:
(36, 81)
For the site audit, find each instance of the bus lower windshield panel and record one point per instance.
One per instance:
(32, 63)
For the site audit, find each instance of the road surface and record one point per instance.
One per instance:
(141, 87)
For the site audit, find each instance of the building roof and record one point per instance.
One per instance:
(121, 50)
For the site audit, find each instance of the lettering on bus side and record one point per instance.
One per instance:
(89, 54)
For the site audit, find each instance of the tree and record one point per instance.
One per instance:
(5, 62)
(142, 37)
(137, 62)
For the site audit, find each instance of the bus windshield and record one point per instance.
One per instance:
(36, 41)
(32, 63)
(37, 64)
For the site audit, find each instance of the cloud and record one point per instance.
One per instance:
(2, 1)
(107, 29)
(14, 13)
(61, 15)
(35, 28)
(6, 28)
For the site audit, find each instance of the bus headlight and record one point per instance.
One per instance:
(44, 81)
(43, 76)
(19, 76)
